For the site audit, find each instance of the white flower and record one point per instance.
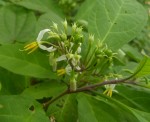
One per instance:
(109, 89)
(61, 58)
(68, 69)
(39, 38)
(79, 48)
(63, 71)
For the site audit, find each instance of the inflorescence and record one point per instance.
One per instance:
(80, 56)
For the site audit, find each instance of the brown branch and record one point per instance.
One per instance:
(85, 88)
(46, 104)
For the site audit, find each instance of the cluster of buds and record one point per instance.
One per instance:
(77, 55)
(63, 46)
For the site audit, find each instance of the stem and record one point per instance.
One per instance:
(46, 104)
(85, 88)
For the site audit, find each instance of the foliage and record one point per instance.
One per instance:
(74, 61)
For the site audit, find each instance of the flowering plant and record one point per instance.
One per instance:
(84, 68)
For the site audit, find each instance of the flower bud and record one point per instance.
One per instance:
(91, 38)
(65, 25)
(63, 37)
(55, 26)
(73, 84)
(74, 27)
(54, 35)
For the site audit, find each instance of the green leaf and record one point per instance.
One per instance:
(103, 109)
(116, 22)
(19, 62)
(144, 68)
(42, 6)
(65, 109)
(132, 53)
(133, 96)
(11, 83)
(45, 89)
(21, 109)
(46, 20)
(84, 10)
(16, 24)
(0, 86)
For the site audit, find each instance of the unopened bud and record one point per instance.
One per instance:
(79, 30)
(63, 37)
(73, 85)
(55, 26)
(91, 38)
(65, 24)
(54, 35)
(74, 27)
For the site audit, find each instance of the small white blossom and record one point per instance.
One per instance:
(61, 58)
(39, 38)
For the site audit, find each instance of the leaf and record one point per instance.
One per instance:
(16, 61)
(46, 20)
(21, 109)
(11, 83)
(65, 109)
(132, 53)
(45, 89)
(42, 6)
(0, 86)
(103, 109)
(84, 10)
(144, 68)
(16, 24)
(134, 96)
(116, 22)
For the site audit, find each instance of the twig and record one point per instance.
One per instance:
(85, 88)
(46, 104)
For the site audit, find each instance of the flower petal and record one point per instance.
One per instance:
(50, 49)
(41, 34)
(61, 58)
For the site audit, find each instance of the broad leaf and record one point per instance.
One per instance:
(116, 22)
(85, 9)
(144, 68)
(38, 5)
(16, 61)
(132, 53)
(45, 89)
(65, 109)
(133, 96)
(16, 24)
(21, 109)
(46, 21)
(11, 83)
(103, 109)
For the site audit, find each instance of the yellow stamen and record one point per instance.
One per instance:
(31, 47)
(61, 72)
(108, 92)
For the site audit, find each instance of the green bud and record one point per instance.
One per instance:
(52, 61)
(79, 30)
(73, 84)
(108, 52)
(69, 56)
(77, 57)
(63, 37)
(91, 38)
(55, 26)
(65, 24)
(74, 27)
(54, 35)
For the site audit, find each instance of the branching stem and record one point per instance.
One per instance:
(82, 89)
